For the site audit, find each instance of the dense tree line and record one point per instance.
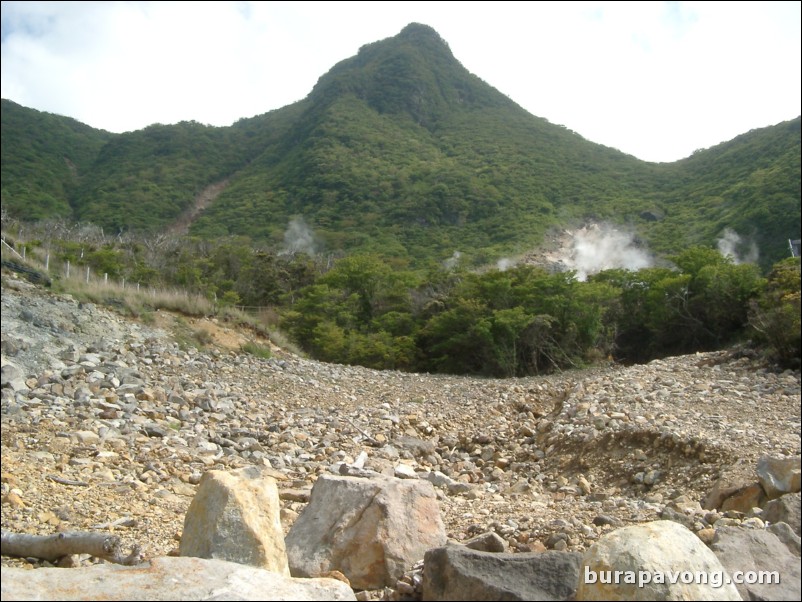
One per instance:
(359, 309)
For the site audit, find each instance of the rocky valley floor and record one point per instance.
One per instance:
(108, 424)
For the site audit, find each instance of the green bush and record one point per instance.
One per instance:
(775, 315)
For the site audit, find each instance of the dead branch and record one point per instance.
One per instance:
(63, 481)
(125, 521)
(52, 547)
(370, 439)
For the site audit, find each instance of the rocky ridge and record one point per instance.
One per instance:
(108, 424)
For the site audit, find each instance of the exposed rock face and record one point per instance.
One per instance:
(235, 516)
(460, 573)
(167, 579)
(756, 550)
(613, 567)
(371, 530)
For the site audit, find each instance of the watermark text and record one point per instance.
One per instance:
(714, 579)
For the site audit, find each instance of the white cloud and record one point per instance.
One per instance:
(654, 79)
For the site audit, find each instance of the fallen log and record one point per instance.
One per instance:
(53, 547)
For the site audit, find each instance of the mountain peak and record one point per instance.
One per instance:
(413, 73)
(420, 32)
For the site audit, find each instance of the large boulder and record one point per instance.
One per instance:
(166, 579)
(371, 530)
(779, 476)
(661, 560)
(235, 516)
(746, 552)
(459, 573)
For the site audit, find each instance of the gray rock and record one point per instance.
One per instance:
(155, 430)
(458, 487)
(786, 535)
(657, 548)
(166, 579)
(741, 550)
(419, 448)
(371, 530)
(785, 509)
(438, 479)
(235, 516)
(779, 475)
(13, 377)
(487, 542)
(604, 519)
(459, 573)
(677, 517)
(405, 471)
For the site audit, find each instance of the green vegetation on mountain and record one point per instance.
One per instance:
(43, 159)
(400, 152)
(521, 321)
(750, 185)
(147, 178)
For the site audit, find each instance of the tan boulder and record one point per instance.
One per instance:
(235, 516)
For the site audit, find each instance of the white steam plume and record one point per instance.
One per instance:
(505, 264)
(732, 245)
(599, 247)
(299, 238)
(452, 261)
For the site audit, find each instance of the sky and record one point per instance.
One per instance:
(657, 80)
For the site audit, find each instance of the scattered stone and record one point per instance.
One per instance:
(405, 471)
(605, 520)
(506, 455)
(487, 542)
